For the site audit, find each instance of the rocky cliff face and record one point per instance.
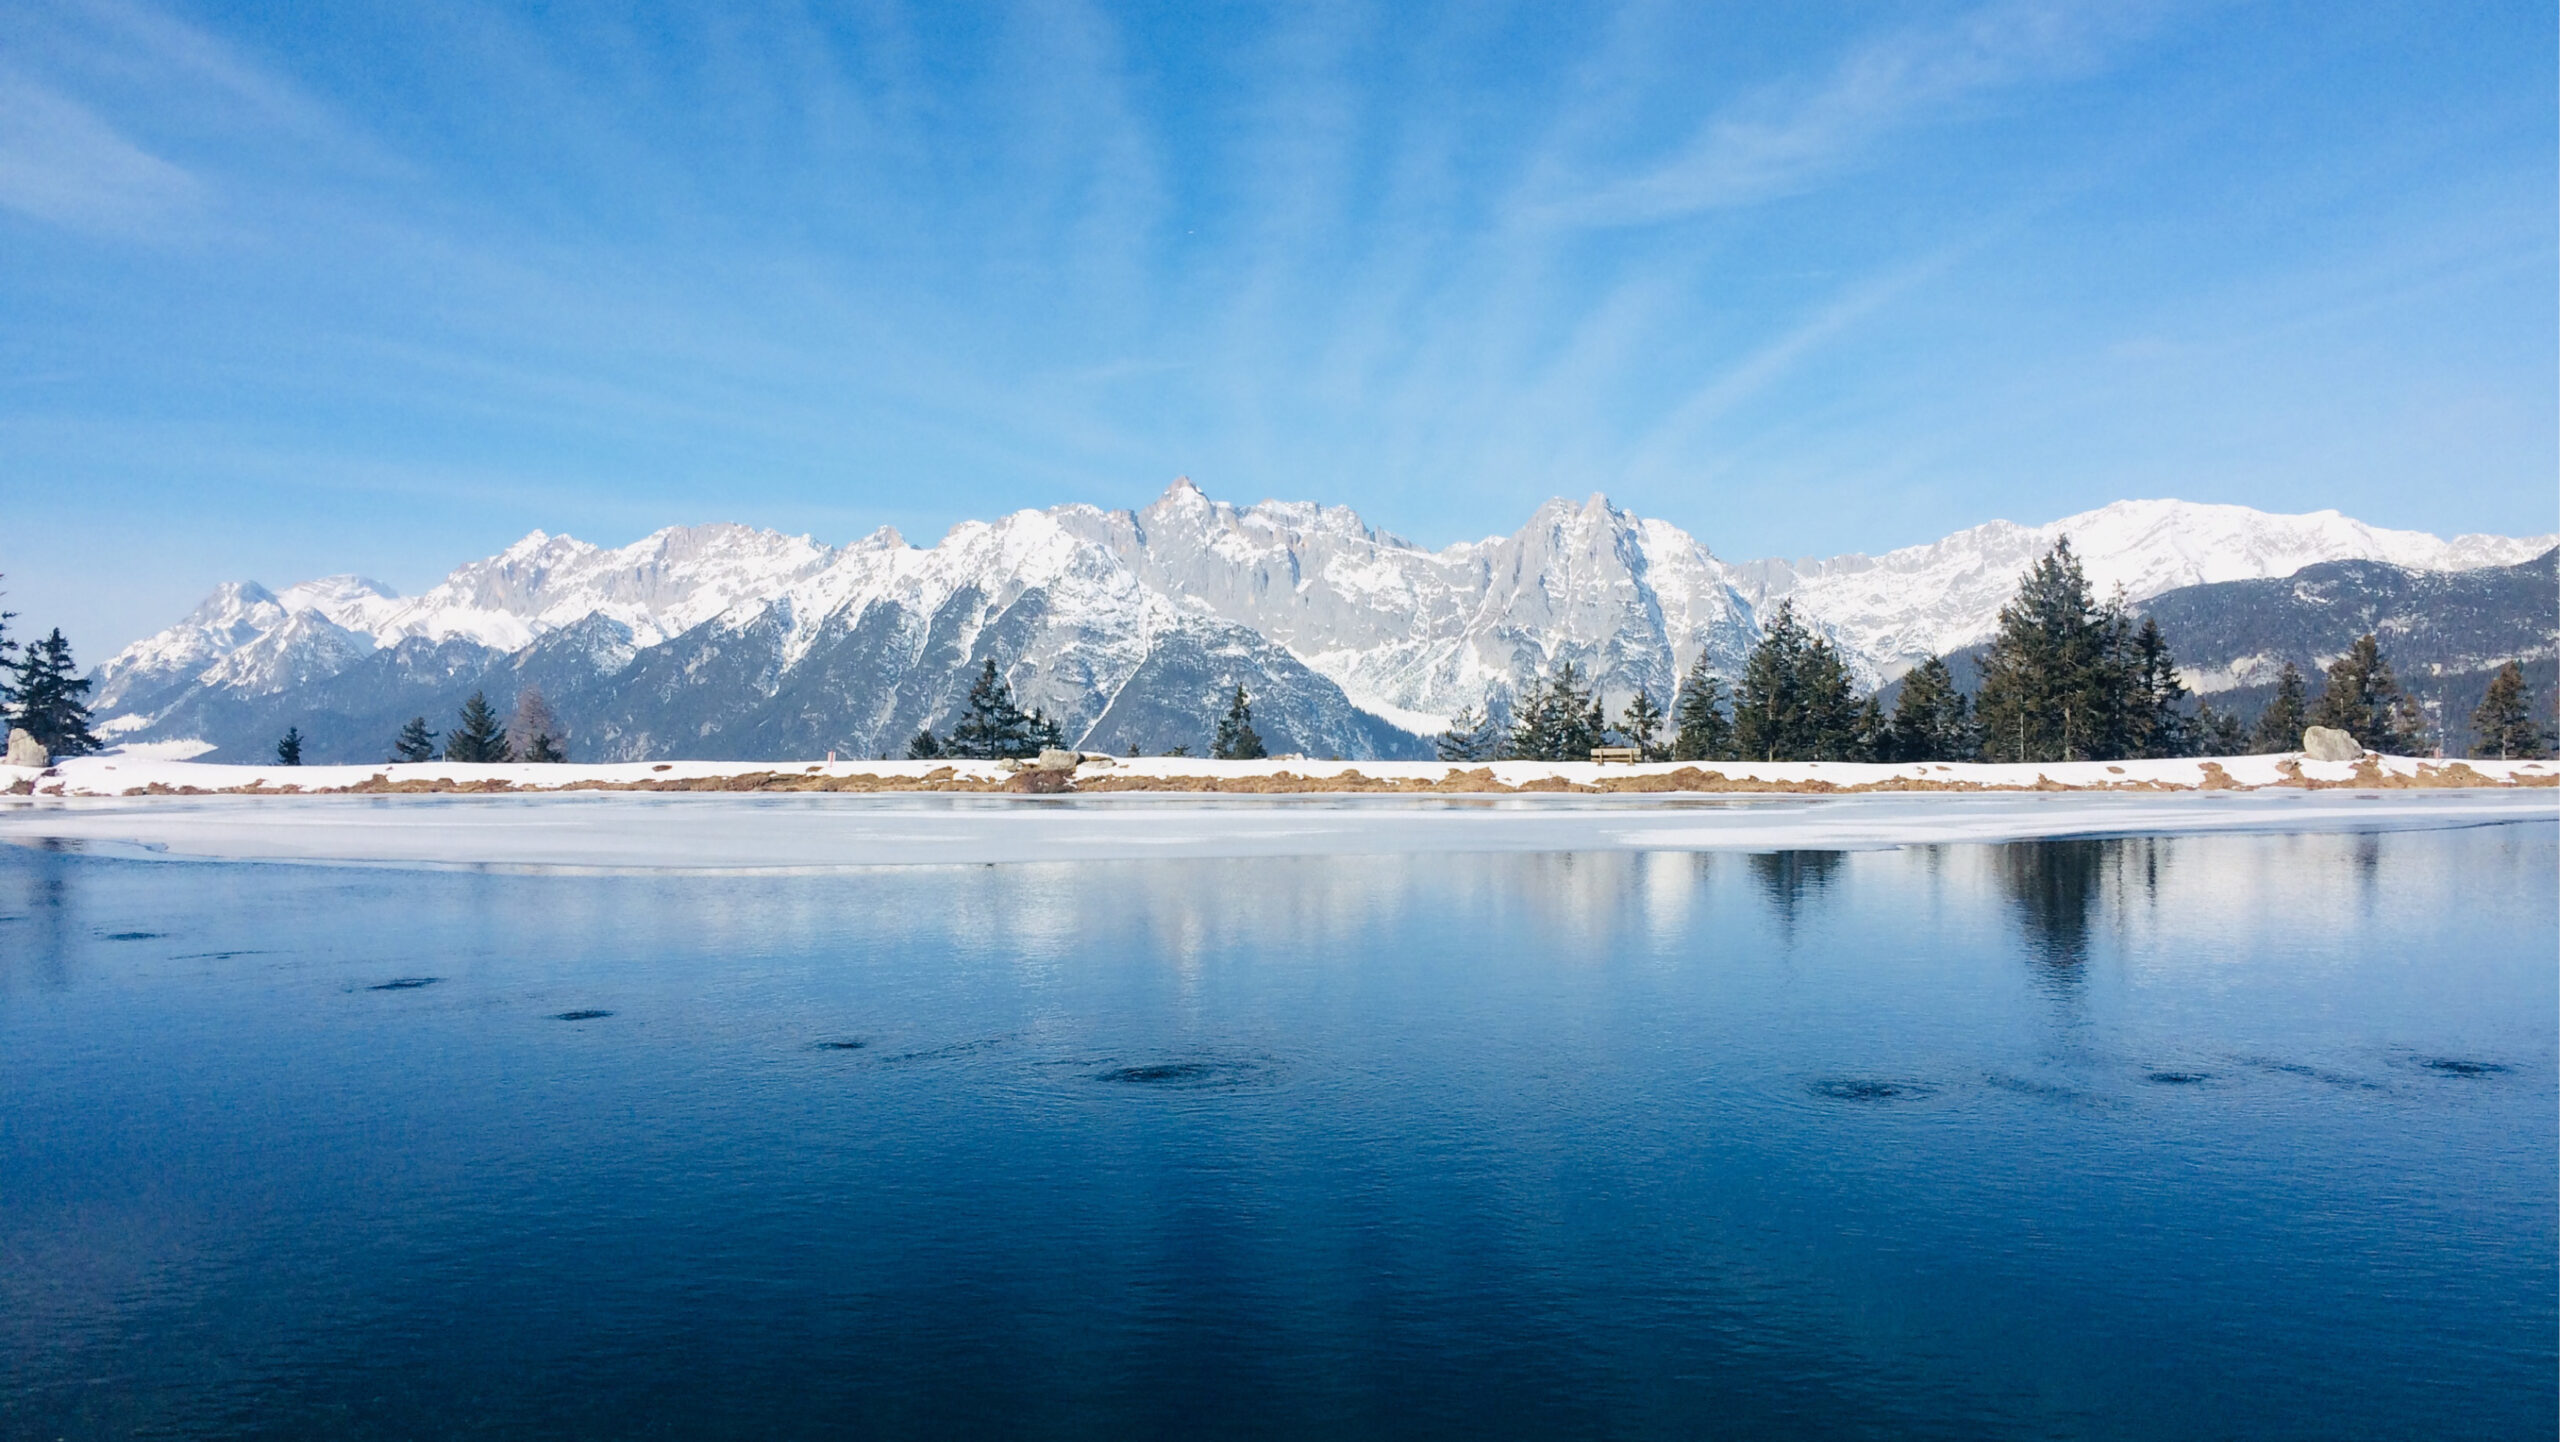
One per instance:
(1130, 627)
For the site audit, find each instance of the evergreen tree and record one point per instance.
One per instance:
(2151, 724)
(1557, 721)
(47, 698)
(1235, 740)
(1796, 701)
(2049, 680)
(1641, 723)
(1473, 735)
(2503, 726)
(2218, 733)
(477, 736)
(928, 747)
(1041, 734)
(1705, 732)
(1932, 720)
(416, 742)
(289, 750)
(534, 733)
(2280, 725)
(8, 647)
(2365, 701)
(992, 728)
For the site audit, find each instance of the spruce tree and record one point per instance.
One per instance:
(2217, 733)
(2152, 722)
(1473, 735)
(289, 749)
(1235, 739)
(415, 743)
(8, 647)
(477, 735)
(1556, 721)
(533, 732)
(2048, 685)
(2503, 726)
(1796, 701)
(47, 698)
(1040, 733)
(925, 746)
(2280, 726)
(2365, 701)
(992, 728)
(1932, 720)
(1705, 732)
(1641, 723)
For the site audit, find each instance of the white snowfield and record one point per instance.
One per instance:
(81, 802)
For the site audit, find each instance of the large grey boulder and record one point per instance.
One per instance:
(25, 750)
(1053, 759)
(2327, 743)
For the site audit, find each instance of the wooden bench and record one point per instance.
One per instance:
(1621, 755)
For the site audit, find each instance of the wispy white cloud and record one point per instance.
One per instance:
(63, 163)
(1793, 136)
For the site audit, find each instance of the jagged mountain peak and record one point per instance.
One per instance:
(1073, 601)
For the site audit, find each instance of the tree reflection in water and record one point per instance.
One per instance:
(1791, 879)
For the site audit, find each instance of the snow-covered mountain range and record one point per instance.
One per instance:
(1129, 626)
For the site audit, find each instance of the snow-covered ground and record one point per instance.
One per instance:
(129, 774)
(766, 830)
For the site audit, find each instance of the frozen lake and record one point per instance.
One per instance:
(2249, 1133)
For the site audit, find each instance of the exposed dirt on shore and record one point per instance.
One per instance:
(2370, 774)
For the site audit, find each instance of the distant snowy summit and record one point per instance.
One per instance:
(1130, 626)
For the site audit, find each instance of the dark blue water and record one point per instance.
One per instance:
(2213, 1137)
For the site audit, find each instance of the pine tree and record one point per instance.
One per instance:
(415, 743)
(926, 746)
(1556, 721)
(1932, 720)
(2048, 685)
(1039, 733)
(2152, 724)
(1705, 732)
(2280, 726)
(47, 698)
(289, 750)
(992, 728)
(477, 736)
(533, 732)
(2503, 726)
(1796, 702)
(1235, 740)
(8, 647)
(2365, 701)
(2217, 733)
(1641, 723)
(1473, 735)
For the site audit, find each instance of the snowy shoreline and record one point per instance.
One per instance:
(714, 830)
(128, 775)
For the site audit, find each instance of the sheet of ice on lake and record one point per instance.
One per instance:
(713, 833)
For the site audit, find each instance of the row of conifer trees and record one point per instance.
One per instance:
(2066, 678)
(993, 727)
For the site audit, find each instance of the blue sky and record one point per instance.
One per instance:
(288, 290)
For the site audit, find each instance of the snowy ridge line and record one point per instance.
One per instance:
(1073, 600)
(94, 777)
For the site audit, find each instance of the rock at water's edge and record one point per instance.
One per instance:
(2325, 743)
(25, 750)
